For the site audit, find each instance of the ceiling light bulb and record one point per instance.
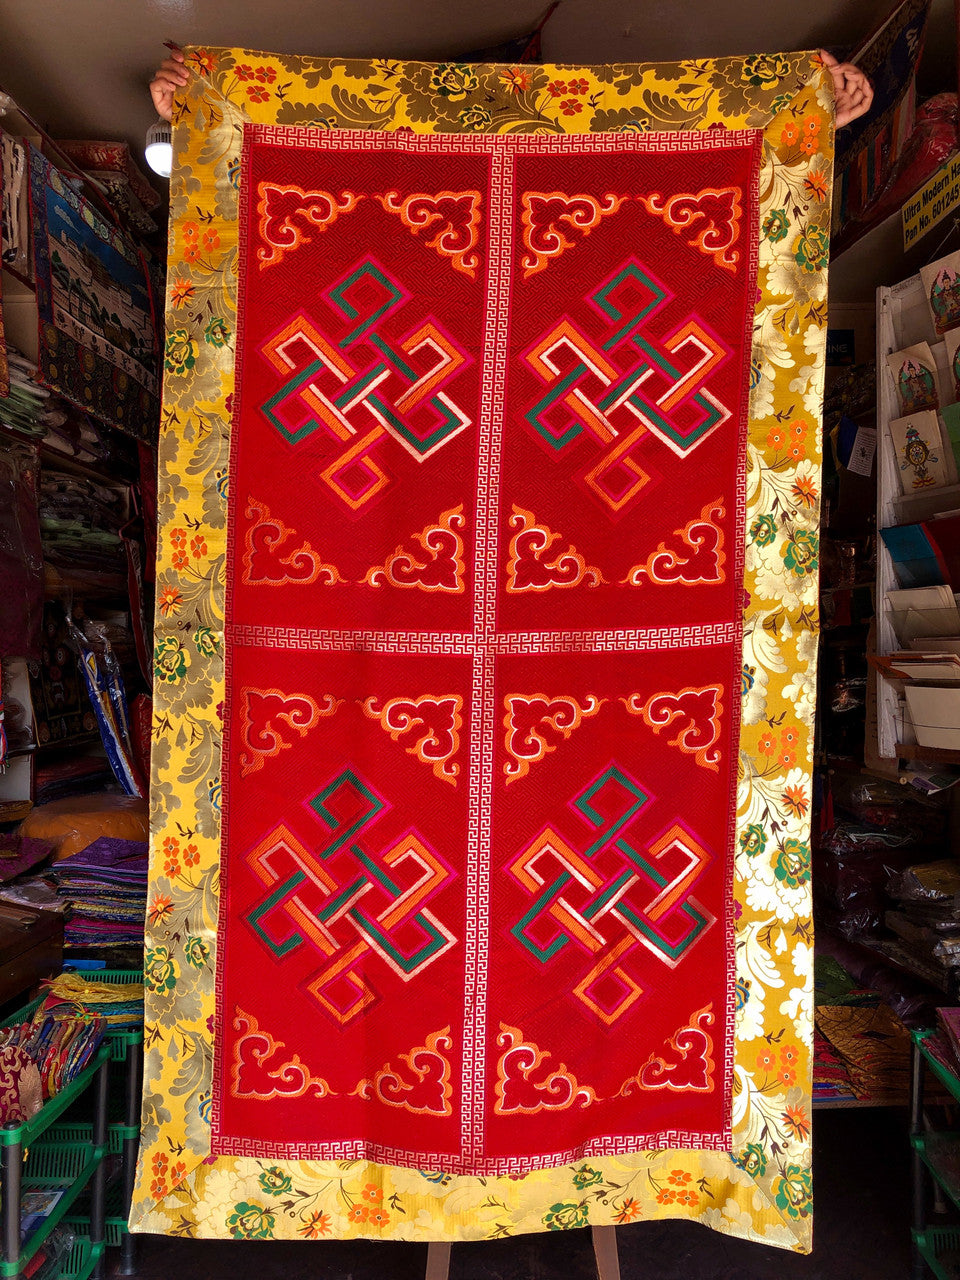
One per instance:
(159, 152)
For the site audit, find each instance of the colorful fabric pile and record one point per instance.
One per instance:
(117, 1004)
(106, 887)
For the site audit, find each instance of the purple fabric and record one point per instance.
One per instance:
(19, 854)
(108, 851)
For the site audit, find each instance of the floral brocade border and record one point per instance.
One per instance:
(761, 1189)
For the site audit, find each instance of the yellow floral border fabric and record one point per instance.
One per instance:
(761, 1189)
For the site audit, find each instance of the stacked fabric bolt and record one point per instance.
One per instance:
(118, 1004)
(24, 406)
(106, 887)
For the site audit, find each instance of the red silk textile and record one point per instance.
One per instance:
(483, 646)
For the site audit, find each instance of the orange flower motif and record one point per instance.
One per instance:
(211, 239)
(191, 231)
(181, 292)
(159, 1163)
(198, 546)
(787, 1076)
(790, 135)
(666, 1196)
(811, 125)
(379, 1217)
(776, 437)
(687, 1197)
(244, 71)
(815, 185)
(578, 86)
(170, 845)
(516, 80)
(767, 744)
(158, 1189)
(680, 1177)
(171, 868)
(790, 736)
(178, 537)
(799, 428)
(766, 1060)
(373, 1193)
(804, 492)
(191, 855)
(160, 908)
(571, 107)
(257, 92)
(788, 758)
(797, 451)
(177, 1173)
(796, 1123)
(809, 144)
(266, 75)
(789, 1055)
(557, 88)
(795, 801)
(179, 559)
(170, 601)
(358, 1213)
(204, 60)
(318, 1224)
(191, 252)
(629, 1211)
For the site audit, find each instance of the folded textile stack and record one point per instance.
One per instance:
(24, 407)
(117, 1004)
(60, 1047)
(927, 921)
(106, 886)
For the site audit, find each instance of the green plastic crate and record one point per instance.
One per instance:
(73, 1133)
(83, 1257)
(115, 1217)
(935, 1243)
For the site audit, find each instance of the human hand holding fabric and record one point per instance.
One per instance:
(170, 76)
(852, 91)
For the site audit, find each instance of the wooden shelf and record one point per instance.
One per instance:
(913, 751)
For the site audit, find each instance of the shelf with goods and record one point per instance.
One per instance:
(904, 320)
(84, 1141)
(936, 1154)
(32, 1157)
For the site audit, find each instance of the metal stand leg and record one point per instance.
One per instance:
(11, 1167)
(438, 1261)
(605, 1252)
(919, 1268)
(128, 1243)
(98, 1184)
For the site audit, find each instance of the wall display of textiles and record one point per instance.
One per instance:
(869, 150)
(97, 335)
(509, 925)
(21, 554)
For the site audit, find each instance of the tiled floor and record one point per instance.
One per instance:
(861, 1208)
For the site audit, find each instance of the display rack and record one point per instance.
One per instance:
(33, 1155)
(903, 318)
(936, 1156)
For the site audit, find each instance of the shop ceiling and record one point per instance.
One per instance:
(81, 67)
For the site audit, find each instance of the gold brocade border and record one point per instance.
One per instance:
(761, 1189)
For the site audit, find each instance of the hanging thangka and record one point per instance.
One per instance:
(98, 344)
(486, 647)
